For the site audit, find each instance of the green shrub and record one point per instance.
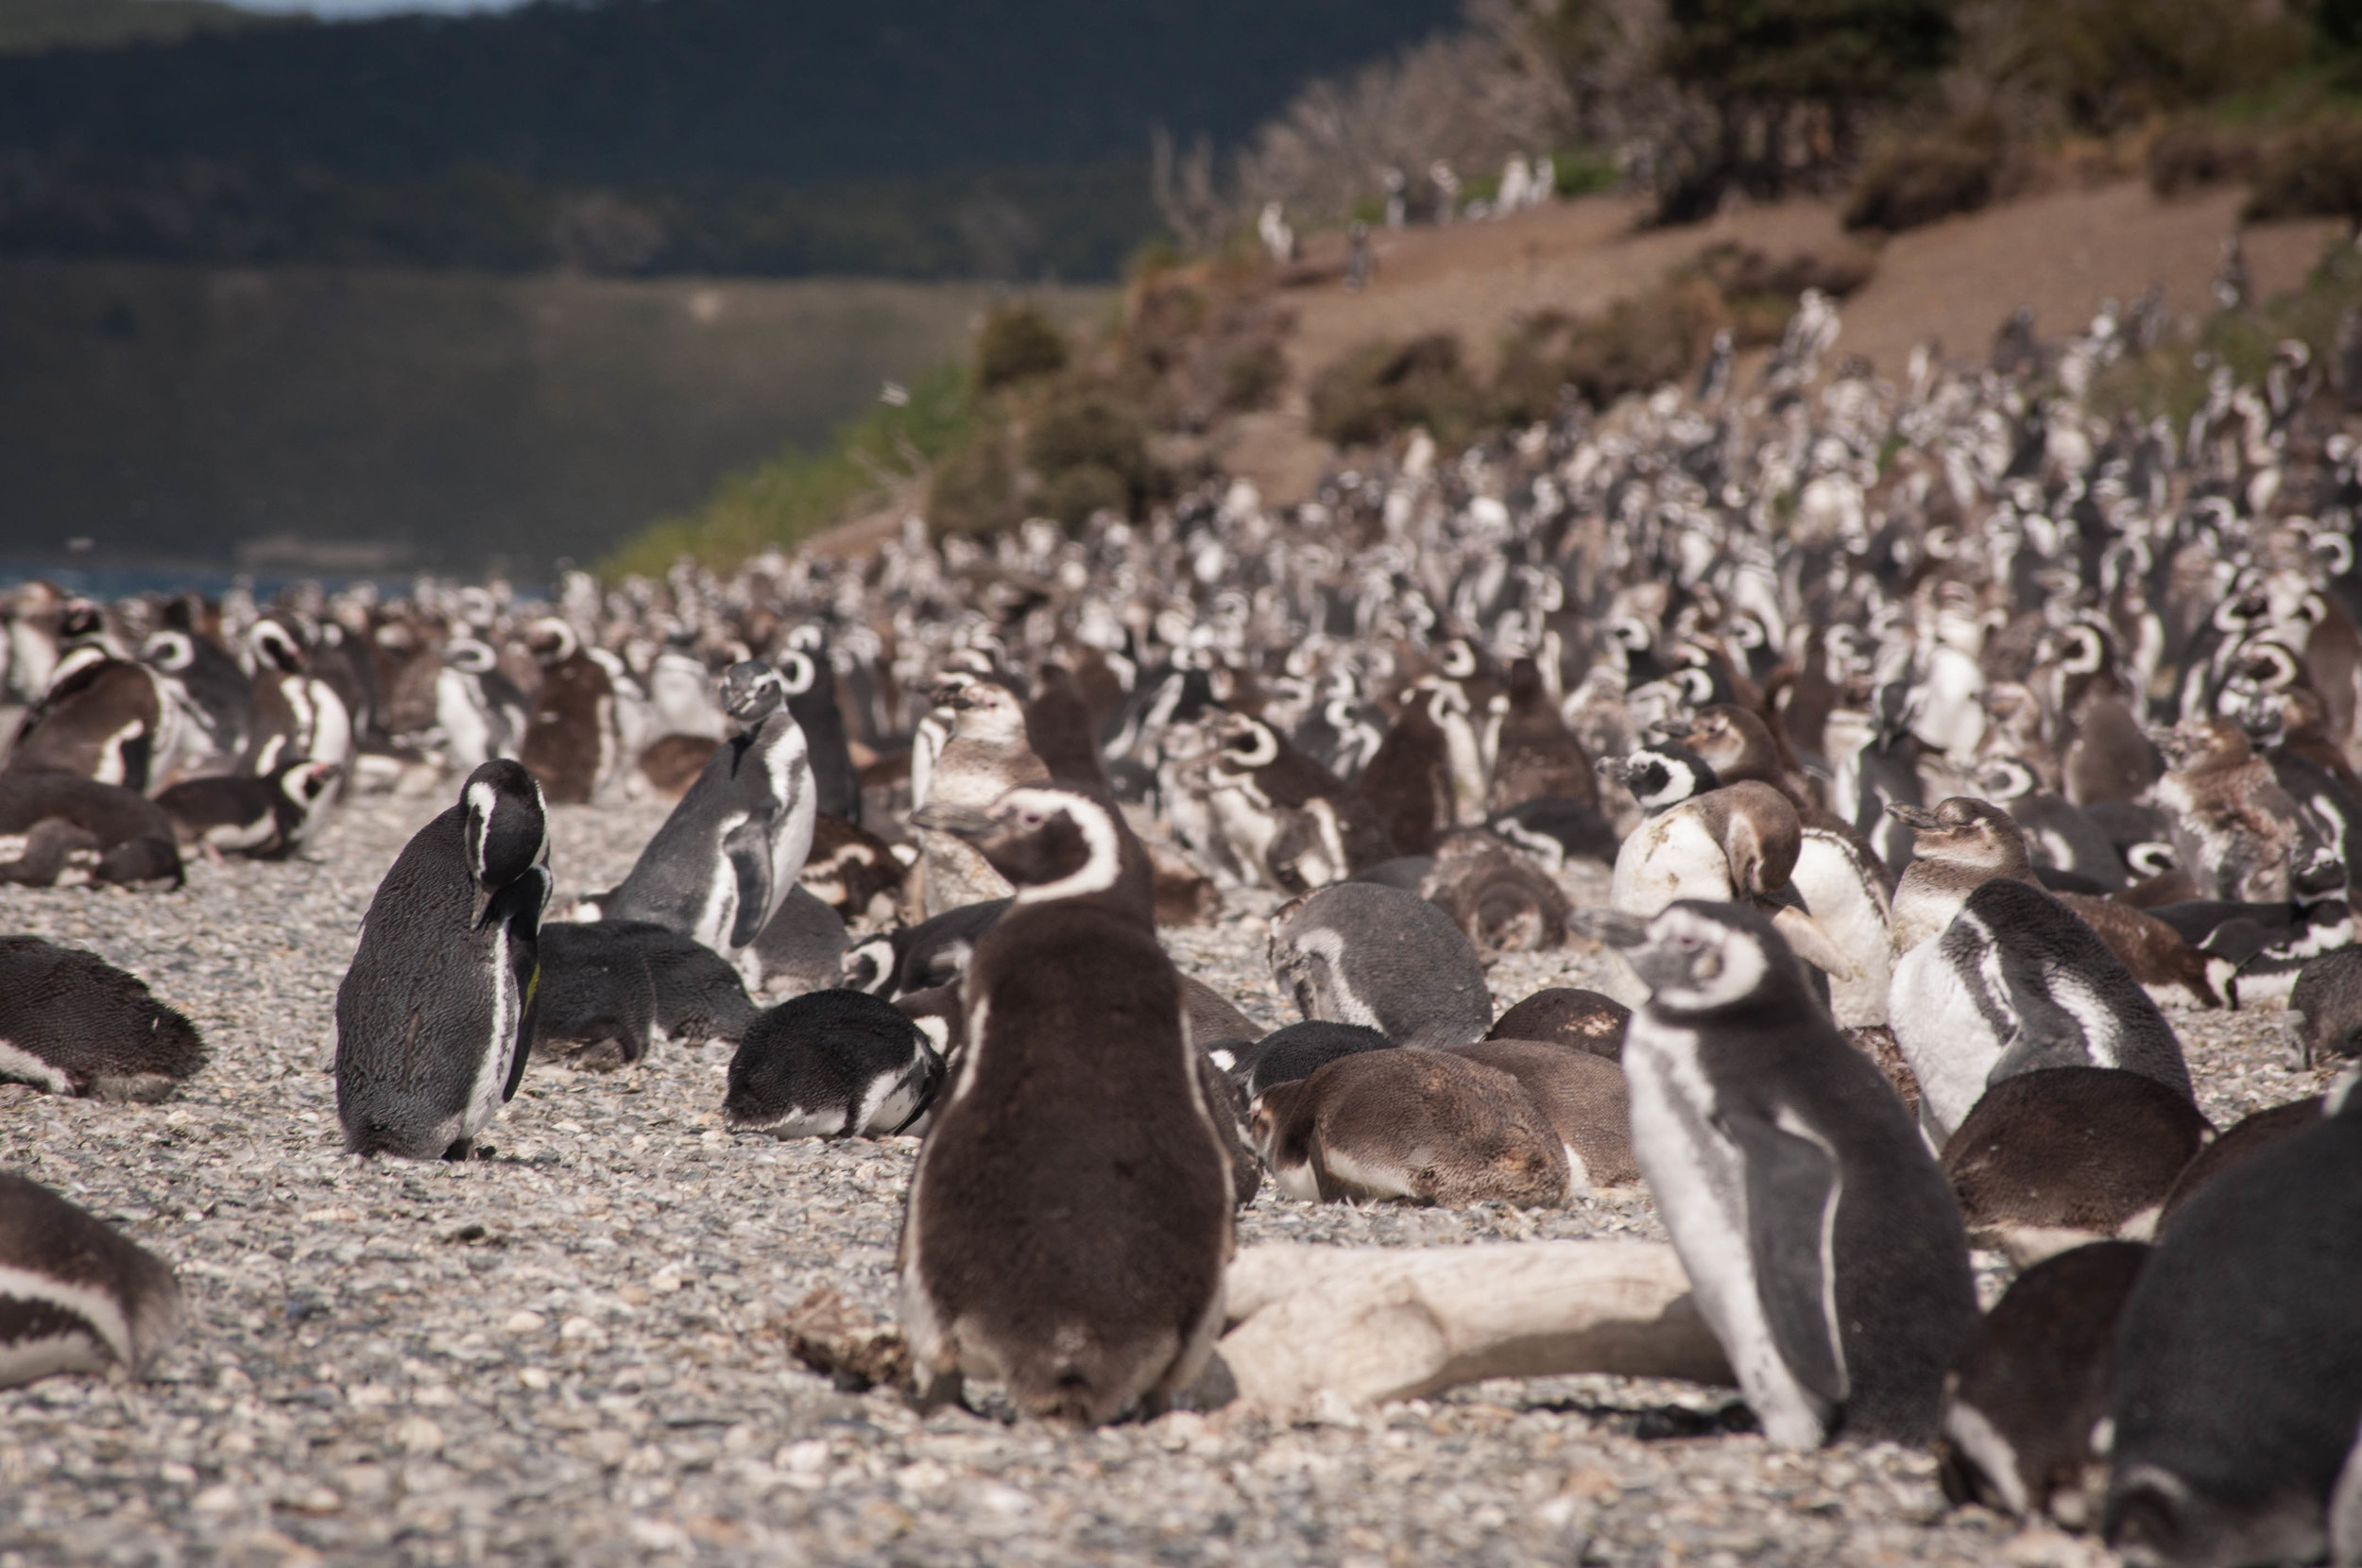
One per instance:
(2115, 63)
(1088, 451)
(973, 489)
(1580, 171)
(1919, 179)
(2314, 171)
(1380, 389)
(1018, 342)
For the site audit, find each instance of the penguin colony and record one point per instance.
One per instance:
(1937, 738)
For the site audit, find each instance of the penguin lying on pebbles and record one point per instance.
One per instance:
(268, 817)
(1563, 1016)
(2249, 1136)
(60, 829)
(2001, 978)
(921, 957)
(2054, 1159)
(2168, 966)
(1583, 1097)
(724, 861)
(854, 872)
(74, 1024)
(75, 1295)
(2271, 943)
(610, 989)
(1356, 953)
(434, 1017)
(1297, 1051)
(2326, 1006)
(1425, 1126)
(801, 949)
(2020, 1408)
(2238, 1373)
(1498, 897)
(1069, 1218)
(831, 1064)
(1818, 1234)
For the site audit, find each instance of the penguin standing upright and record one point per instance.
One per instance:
(810, 684)
(724, 861)
(1819, 1237)
(1069, 1218)
(573, 742)
(435, 1015)
(985, 756)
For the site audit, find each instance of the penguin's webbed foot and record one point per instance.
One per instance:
(461, 1151)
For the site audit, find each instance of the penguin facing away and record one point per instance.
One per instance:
(1583, 1095)
(434, 1017)
(1069, 1218)
(1563, 1016)
(1358, 953)
(75, 1295)
(74, 1024)
(1820, 1236)
(832, 1064)
(1417, 1126)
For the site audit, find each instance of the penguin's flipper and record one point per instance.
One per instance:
(747, 847)
(2047, 1035)
(1792, 1191)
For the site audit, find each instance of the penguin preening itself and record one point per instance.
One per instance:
(435, 1015)
(75, 1295)
(1820, 1236)
(74, 1024)
(1069, 1218)
(725, 859)
(2238, 1373)
(2000, 977)
(267, 817)
(833, 1063)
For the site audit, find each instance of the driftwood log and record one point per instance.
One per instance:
(1371, 1325)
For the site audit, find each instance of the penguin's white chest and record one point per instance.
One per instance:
(1943, 1033)
(1670, 856)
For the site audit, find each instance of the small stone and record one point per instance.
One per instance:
(419, 1436)
(524, 1322)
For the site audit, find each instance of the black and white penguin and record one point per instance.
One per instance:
(267, 817)
(2059, 835)
(1075, 1136)
(725, 859)
(1555, 832)
(1411, 1126)
(59, 827)
(1357, 953)
(479, 710)
(1297, 1051)
(921, 957)
(2039, 1376)
(810, 680)
(297, 716)
(218, 696)
(2238, 1373)
(1584, 1099)
(1563, 1015)
(1287, 818)
(801, 949)
(831, 1064)
(856, 872)
(2271, 943)
(2054, 1159)
(74, 1024)
(75, 1295)
(2169, 967)
(106, 718)
(434, 1017)
(1999, 978)
(611, 989)
(1820, 1236)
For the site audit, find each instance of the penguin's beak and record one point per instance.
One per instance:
(962, 822)
(1615, 927)
(1616, 768)
(951, 696)
(1917, 818)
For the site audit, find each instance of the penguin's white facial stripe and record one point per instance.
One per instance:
(1258, 747)
(22, 1067)
(1728, 965)
(1102, 861)
(482, 801)
(1973, 1436)
(93, 1306)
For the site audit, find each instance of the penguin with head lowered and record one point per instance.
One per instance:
(435, 1014)
(724, 861)
(1820, 1236)
(75, 1295)
(1069, 1218)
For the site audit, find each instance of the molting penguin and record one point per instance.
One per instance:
(267, 817)
(2238, 1373)
(724, 861)
(434, 1017)
(2326, 1006)
(2021, 1407)
(2249, 1135)
(1562, 1015)
(1358, 953)
(831, 1064)
(1420, 1126)
(2234, 828)
(1820, 1236)
(1583, 1097)
(610, 989)
(1497, 897)
(74, 1024)
(574, 742)
(75, 1295)
(984, 757)
(1068, 1220)
(2000, 977)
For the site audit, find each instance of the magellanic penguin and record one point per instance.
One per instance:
(74, 1024)
(725, 860)
(611, 989)
(1287, 818)
(573, 741)
(1069, 1218)
(1820, 1236)
(985, 756)
(2326, 1006)
(1535, 756)
(1296, 1051)
(811, 683)
(2238, 1373)
(831, 1064)
(60, 829)
(110, 719)
(1562, 1015)
(1583, 1097)
(1999, 978)
(856, 872)
(434, 1017)
(1358, 953)
(75, 1295)
(1500, 898)
(268, 817)
(2234, 828)
(297, 716)
(2021, 1407)
(1414, 1126)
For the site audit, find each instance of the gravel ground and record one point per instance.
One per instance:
(572, 1353)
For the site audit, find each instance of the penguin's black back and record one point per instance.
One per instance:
(94, 1024)
(826, 1048)
(1299, 1051)
(836, 782)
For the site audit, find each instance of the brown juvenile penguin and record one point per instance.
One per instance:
(2233, 827)
(1420, 1126)
(2102, 755)
(1585, 1100)
(1563, 1016)
(571, 744)
(854, 872)
(1536, 756)
(1413, 780)
(1068, 1220)
(2249, 1136)
(985, 756)
(2155, 953)
(1060, 729)
(1502, 899)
